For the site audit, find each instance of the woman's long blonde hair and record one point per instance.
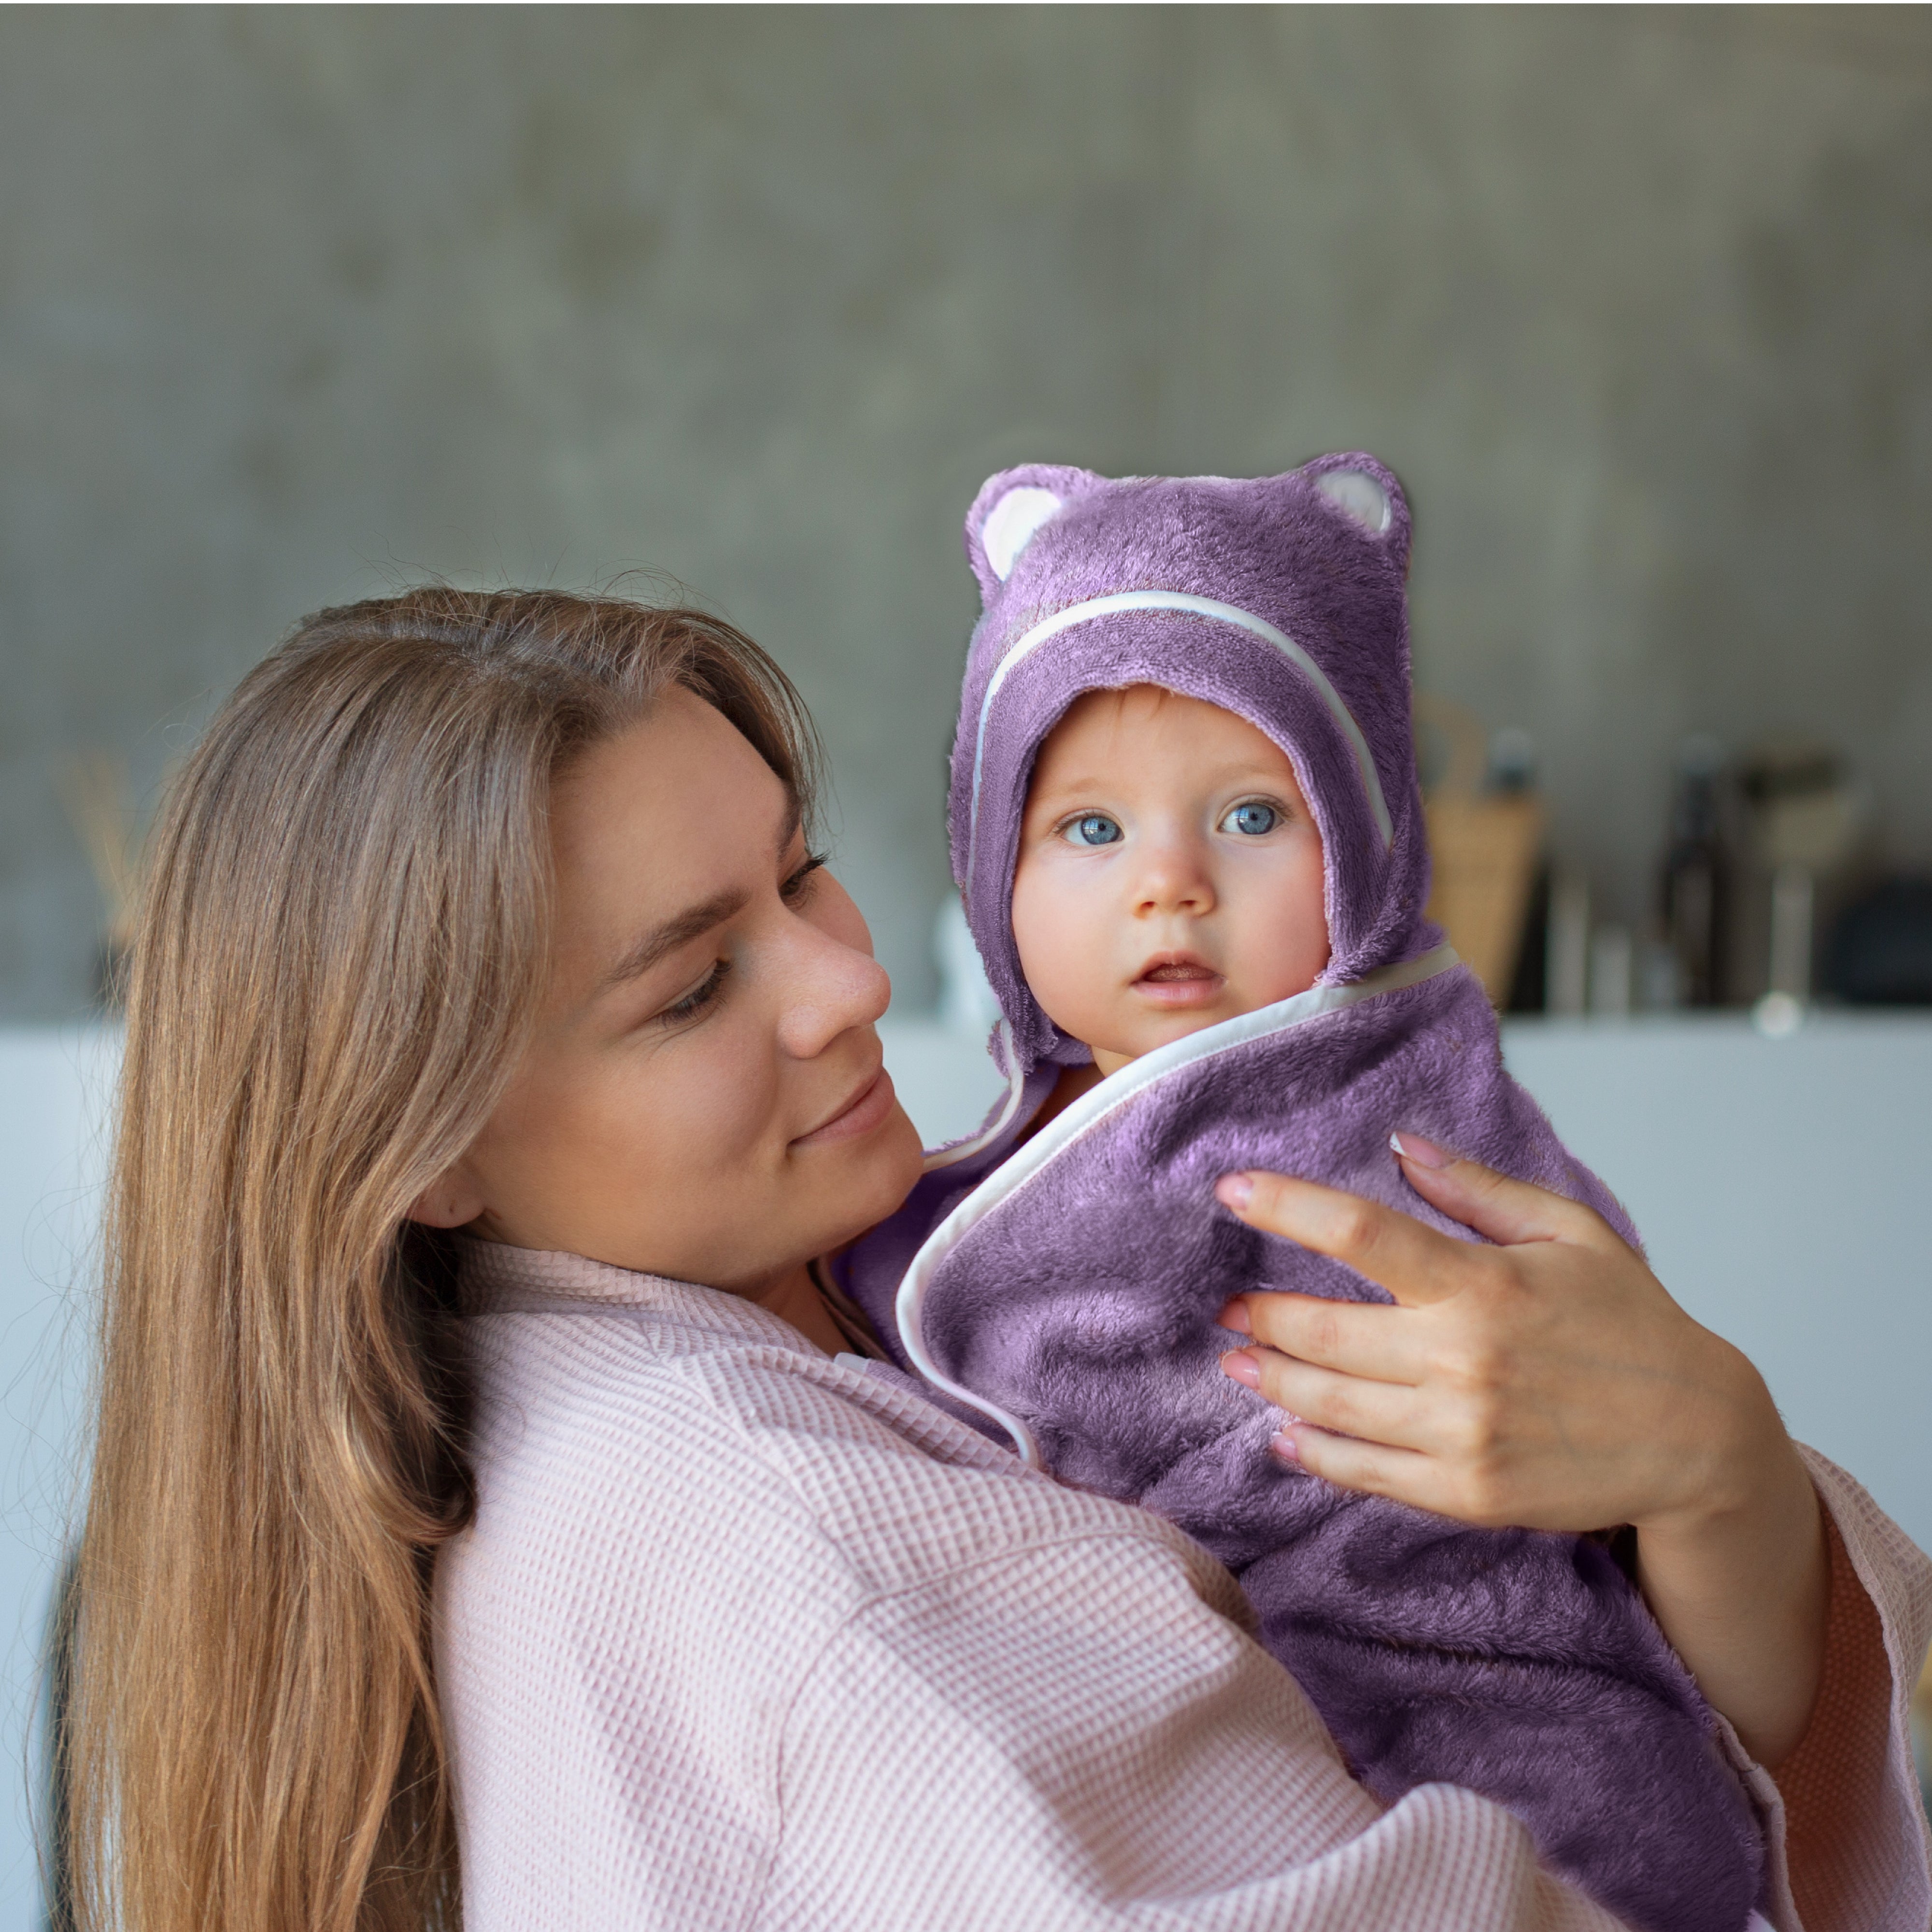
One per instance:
(343, 938)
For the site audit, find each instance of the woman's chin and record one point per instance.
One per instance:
(870, 1177)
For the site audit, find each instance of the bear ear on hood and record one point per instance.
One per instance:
(1366, 492)
(1008, 513)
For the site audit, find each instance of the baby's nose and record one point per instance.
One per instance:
(1174, 876)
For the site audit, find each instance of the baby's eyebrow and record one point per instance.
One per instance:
(1096, 785)
(1074, 788)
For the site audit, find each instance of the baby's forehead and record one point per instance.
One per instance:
(1121, 728)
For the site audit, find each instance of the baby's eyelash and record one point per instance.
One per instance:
(1089, 815)
(1282, 814)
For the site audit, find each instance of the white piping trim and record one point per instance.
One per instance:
(973, 1143)
(1088, 1111)
(1120, 600)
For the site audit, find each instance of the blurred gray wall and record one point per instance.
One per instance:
(298, 304)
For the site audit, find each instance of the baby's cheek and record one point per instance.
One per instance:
(1058, 936)
(1052, 968)
(1282, 939)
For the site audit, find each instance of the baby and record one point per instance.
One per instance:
(1187, 829)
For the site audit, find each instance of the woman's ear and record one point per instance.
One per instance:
(453, 1201)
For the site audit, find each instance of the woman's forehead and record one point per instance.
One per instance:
(666, 815)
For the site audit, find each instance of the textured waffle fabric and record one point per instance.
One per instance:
(742, 1637)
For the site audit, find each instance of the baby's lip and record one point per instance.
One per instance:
(1175, 968)
(1179, 979)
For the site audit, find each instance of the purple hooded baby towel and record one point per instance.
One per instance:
(1062, 1289)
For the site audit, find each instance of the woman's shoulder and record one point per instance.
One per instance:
(682, 1419)
(686, 1517)
(682, 1508)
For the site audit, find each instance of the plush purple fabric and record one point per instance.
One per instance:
(1069, 1281)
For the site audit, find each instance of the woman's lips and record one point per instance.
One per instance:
(1178, 979)
(865, 1110)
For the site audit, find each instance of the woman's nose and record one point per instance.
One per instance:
(834, 987)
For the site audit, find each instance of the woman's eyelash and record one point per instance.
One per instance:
(795, 885)
(700, 996)
(706, 992)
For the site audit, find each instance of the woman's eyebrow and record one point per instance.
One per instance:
(662, 941)
(788, 825)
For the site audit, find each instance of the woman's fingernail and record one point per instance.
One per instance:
(1235, 1316)
(1235, 1190)
(1424, 1153)
(1283, 1445)
(1240, 1368)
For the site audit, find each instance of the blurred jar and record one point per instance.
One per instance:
(1696, 881)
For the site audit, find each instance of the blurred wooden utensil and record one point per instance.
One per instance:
(1483, 848)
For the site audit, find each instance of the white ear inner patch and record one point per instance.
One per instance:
(1010, 524)
(1358, 493)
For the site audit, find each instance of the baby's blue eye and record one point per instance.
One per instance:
(1096, 828)
(1252, 820)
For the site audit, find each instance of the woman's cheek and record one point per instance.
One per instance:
(661, 1123)
(675, 1167)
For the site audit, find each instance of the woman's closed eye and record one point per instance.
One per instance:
(1091, 828)
(1253, 818)
(689, 1005)
(798, 883)
(794, 890)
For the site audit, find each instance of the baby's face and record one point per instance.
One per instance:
(1169, 876)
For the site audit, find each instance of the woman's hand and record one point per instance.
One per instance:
(1550, 1382)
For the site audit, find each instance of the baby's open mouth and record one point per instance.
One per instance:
(1180, 981)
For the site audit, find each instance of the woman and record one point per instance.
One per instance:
(498, 914)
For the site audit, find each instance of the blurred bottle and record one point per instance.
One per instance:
(1512, 773)
(1611, 958)
(1808, 812)
(1566, 978)
(1659, 977)
(1697, 874)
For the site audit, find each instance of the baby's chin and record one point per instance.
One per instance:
(1148, 1024)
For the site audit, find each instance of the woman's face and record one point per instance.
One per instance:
(705, 1096)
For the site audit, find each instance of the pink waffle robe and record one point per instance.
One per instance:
(744, 1637)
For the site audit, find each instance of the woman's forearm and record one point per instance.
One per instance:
(1742, 1585)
